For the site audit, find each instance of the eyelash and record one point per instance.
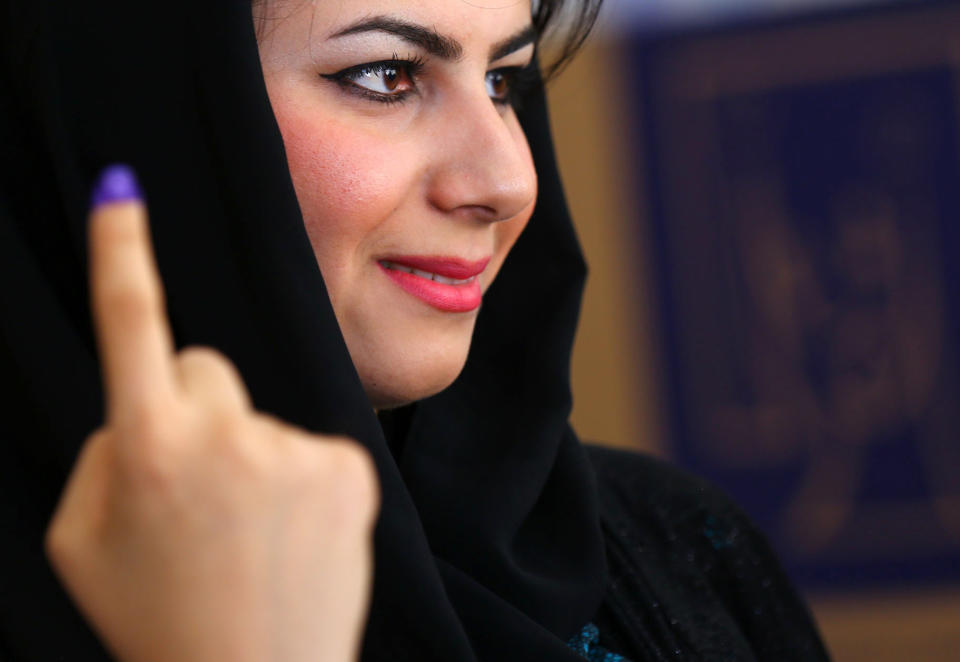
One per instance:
(346, 78)
(518, 79)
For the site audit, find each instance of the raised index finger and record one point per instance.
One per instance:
(133, 335)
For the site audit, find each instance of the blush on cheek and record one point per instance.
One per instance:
(346, 185)
(330, 157)
(321, 166)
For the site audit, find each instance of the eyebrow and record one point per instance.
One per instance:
(524, 37)
(434, 43)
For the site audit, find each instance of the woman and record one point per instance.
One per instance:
(404, 153)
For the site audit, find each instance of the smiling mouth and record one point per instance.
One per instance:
(437, 278)
(447, 284)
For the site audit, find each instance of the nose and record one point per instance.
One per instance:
(482, 166)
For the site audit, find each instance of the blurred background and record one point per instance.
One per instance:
(768, 195)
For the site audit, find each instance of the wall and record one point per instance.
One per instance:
(620, 391)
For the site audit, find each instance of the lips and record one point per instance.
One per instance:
(446, 283)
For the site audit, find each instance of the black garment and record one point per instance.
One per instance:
(489, 544)
(691, 578)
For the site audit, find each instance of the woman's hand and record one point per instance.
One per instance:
(192, 527)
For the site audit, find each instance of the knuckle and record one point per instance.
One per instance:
(64, 543)
(202, 356)
(151, 423)
(352, 459)
(152, 444)
(58, 544)
(350, 480)
(98, 436)
(206, 373)
(230, 432)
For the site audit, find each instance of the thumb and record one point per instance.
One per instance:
(82, 507)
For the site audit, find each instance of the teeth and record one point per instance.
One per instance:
(448, 281)
(426, 274)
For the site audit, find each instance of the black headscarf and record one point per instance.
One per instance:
(488, 545)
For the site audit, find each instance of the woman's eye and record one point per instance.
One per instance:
(382, 79)
(507, 85)
(390, 81)
(499, 86)
(387, 81)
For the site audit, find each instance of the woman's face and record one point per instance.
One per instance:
(411, 169)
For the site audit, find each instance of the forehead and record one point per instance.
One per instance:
(479, 22)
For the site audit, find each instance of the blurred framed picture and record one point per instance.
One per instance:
(805, 196)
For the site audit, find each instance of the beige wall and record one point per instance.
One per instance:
(615, 367)
(905, 626)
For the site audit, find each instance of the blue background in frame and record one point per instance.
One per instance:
(806, 236)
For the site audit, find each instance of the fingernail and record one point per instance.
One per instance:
(117, 183)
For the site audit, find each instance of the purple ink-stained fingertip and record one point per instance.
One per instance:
(117, 183)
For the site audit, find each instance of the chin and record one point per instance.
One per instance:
(406, 375)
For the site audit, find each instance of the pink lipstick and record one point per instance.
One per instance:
(446, 283)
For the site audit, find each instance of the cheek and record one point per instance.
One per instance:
(344, 185)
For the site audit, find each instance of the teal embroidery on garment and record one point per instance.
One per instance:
(719, 537)
(587, 644)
